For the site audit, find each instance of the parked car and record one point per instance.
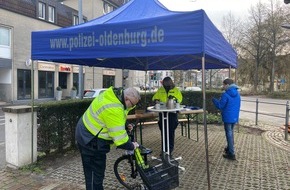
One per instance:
(193, 88)
(146, 87)
(91, 93)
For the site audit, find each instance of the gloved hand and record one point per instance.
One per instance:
(136, 145)
(156, 101)
(130, 127)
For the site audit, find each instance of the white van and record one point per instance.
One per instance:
(193, 88)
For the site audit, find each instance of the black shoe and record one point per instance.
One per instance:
(230, 157)
(226, 150)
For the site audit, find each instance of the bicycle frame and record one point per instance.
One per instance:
(125, 167)
(133, 171)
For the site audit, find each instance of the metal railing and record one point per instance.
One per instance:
(287, 121)
(257, 113)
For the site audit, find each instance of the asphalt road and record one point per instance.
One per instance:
(274, 108)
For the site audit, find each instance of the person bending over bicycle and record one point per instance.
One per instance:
(102, 125)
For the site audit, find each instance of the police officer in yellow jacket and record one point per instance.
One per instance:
(167, 90)
(101, 125)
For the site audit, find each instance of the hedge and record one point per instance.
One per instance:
(57, 119)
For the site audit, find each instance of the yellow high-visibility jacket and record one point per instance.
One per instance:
(162, 96)
(108, 114)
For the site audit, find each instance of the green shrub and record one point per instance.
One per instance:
(279, 95)
(57, 122)
(58, 88)
(57, 119)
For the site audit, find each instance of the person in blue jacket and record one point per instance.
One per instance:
(229, 104)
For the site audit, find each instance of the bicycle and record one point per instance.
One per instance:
(134, 171)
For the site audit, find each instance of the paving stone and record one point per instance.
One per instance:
(263, 162)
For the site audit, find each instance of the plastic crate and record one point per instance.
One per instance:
(161, 175)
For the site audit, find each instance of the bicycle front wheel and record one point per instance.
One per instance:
(127, 174)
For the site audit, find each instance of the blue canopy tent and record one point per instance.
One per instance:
(140, 35)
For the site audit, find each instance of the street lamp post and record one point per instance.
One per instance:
(81, 74)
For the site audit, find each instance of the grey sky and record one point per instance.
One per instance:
(215, 9)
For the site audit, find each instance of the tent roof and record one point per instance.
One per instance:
(140, 35)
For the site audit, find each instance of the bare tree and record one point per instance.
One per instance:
(253, 43)
(231, 27)
(276, 37)
(178, 77)
(262, 41)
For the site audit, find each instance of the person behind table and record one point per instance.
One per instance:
(163, 93)
(102, 125)
(229, 104)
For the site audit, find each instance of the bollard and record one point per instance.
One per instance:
(287, 121)
(257, 110)
(20, 136)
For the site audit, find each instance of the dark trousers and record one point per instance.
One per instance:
(173, 122)
(94, 163)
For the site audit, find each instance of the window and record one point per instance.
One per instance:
(62, 77)
(45, 84)
(108, 8)
(108, 81)
(75, 20)
(51, 13)
(5, 43)
(76, 80)
(23, 84)
(41, 10)
(4, 36)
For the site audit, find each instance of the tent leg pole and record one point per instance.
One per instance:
(145, 91)
(32, 108)
(205, 122)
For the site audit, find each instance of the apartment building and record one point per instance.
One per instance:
(18, 18)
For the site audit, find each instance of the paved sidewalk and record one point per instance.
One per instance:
(263, 163)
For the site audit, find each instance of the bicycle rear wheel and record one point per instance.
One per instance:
(126, 173)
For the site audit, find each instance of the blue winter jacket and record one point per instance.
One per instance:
(229, 104)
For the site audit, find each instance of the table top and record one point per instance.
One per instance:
(190, 111)
(152, 108)
(142, 115)
(153, 114)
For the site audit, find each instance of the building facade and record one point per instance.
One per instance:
(18, 18)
